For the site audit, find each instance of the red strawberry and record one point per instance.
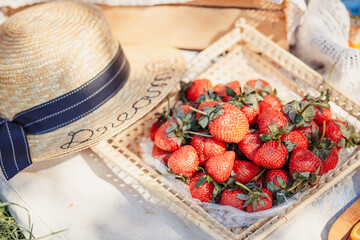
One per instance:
(332, 129)
(250, 113)
(184, 161)
(160, 154)
(184, 107)
(250, 144)
(303, 160)
(205, 104)
(260, 182)
(221, 90)
(266, 197)
(308, 129)
(230, 198)
(218, 87)
(271, 116)
(274, 174)
(163, 141)
(231, 126)
(207, 147)
(270, 101)
(331, 161)
(270, 155)
(321, 116)
(153, 130)
(198, 87)
(245, 171)
(297, 137)
(253, 82)
(219, 167)
(204, 192)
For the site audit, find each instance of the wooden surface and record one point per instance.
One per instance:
(343, 225)
(253, 4)
(194, 25)
(186, 27)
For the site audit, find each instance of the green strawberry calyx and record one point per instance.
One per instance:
(184, 87)
(209, 114)
(259, 88)
(253, 196)
(281, 192)
(321, 146)
(304, 180)
(210, 96)
(248, 98)
(350, 136)
(301, 113)
(207, 178)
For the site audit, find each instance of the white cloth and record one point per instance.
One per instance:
(81, 194)
(322, 40)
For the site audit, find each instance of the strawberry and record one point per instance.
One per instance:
(253, 82)
(229, 198)
(250, 144)
(303, 160)
(260, 200)
(331, 161)
(163, 141)
(260, 86)
(160, 154)
(277, 176)
(332, 129)
(271, 116)
(205, 104)
(270, 101)
(218, 87)
(278, 182)
(185, 108)
(296, 137)
(250, 113)
(321, 115)
(260, 181)
(153, 130)
(198, 87)
(221, 90)
(184, 161)
(308, 130)
(271, 155)
(207, 147)
(245, 171)
(201, 190)
(219, 167)
(231, 126)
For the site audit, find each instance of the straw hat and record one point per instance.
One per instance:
(50, 50)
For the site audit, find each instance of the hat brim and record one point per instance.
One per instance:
(155, 71)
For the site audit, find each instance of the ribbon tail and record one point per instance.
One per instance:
(14, 149)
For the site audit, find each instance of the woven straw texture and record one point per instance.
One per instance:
(50, 49)
(242, 50)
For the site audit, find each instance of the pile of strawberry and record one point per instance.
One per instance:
(244, 147)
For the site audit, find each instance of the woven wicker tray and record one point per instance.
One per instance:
(242, 51)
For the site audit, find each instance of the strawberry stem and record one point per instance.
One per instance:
(293, 187)
(168, 100)
(200, 168)
(244, 187)
(311, 103)
(259, 175)
(198, 111)
(328, 80)
(323, 133)
(200, 134)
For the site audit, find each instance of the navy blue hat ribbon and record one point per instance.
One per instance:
(59, 112)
